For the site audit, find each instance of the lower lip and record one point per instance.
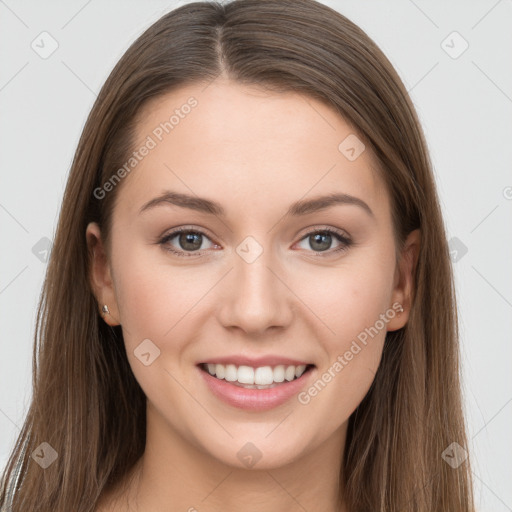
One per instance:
(255, 399)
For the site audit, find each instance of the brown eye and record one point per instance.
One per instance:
(190, 241)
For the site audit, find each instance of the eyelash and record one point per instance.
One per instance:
(344, 240)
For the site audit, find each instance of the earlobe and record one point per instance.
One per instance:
(404, 291)
(100, 277)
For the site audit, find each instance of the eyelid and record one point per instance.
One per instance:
(319, 228)
(186, 228)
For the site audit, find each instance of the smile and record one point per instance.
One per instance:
(255, 388)
(262, 377)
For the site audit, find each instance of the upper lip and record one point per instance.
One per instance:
(256, 362)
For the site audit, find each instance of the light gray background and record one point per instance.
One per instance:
(464, 104)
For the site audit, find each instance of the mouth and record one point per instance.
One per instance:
(261, 377)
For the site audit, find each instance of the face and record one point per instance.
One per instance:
(264, 276)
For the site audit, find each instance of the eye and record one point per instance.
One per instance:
(320, 240)
(191, 241)
(188, 241)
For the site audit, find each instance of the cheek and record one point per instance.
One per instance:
(151, 298)
(353, 304)
(155, 304)
(160, 302)
(349, 299)
(351, 355)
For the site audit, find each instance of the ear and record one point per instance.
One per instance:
(403, 291)
(100, 275)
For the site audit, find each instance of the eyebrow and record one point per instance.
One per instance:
(301, 207)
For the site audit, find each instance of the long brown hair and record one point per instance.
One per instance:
(86, 402)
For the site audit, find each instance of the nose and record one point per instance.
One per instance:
(255, 296)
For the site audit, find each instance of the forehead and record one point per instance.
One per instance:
(244, 145)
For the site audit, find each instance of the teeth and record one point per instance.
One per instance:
(245, 375)
(299, 370)
(289, 373)
(279, 373)
(260, 377)
(263, 376)
(220, 371)
(231, 373)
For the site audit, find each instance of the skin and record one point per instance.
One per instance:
(255, 152)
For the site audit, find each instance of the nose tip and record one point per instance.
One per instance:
(255, 298)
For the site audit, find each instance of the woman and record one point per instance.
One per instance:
(249, 302)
